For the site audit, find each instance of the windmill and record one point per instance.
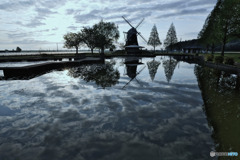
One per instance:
(131, 45)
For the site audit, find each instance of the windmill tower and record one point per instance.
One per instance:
(131, 46)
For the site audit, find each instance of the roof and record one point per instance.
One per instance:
(134, 46)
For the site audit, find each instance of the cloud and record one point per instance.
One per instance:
(184, 12)
(51, 4)
(70, 11)
(201, 3)
(144, 9)
(30, 41)
(84, 18)
(16, 5)
(13, 35)
(55, 28)
(42, 12)
(74, 28)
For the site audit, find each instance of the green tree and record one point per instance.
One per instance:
(18, 49)
(171, 37)
(208, 35)
(154, 38)
(89, 37)
(106, 34)
(152, 68)
(228, 21)
(223, 24)
(122, 46)
(169, 67)
(72, 40)
(104, 75)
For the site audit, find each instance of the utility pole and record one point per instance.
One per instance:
(57, 47)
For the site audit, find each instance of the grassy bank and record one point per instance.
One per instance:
(235, 56)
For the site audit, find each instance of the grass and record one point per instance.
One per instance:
(235, 56)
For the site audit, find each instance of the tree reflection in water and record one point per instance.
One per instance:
(220, 92)
(169, 67)
(152, 68)
(103, 75)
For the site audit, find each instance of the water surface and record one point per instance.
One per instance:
(152, 110)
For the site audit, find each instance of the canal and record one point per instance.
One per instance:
(128, 108)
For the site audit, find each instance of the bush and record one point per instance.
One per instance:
(229, 60)
(219, 59)
(210, 57)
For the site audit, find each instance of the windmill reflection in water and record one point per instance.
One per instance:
(131, 69)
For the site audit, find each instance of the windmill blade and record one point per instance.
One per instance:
(139, 23)
(142, 37)
(141, 85)
(134, 77)
(127, 22)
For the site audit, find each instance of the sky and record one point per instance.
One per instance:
(41, 24)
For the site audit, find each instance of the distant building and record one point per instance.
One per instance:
(191, 46)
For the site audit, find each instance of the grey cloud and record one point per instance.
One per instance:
(42, 8)
(184, 12)
(142, 10)
(30, 41)
(44, 11)
(52, 4)
(182, 4)
(201, 3)
(18, 5)
(70, 11)
(169, 6)
(84, 18)
(107, 14)
(54, 29)
(36, 22)
(12, 6)
(19, 35)
(74, 28)
(25, 34)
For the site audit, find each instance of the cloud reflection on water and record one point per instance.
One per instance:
(76, 120)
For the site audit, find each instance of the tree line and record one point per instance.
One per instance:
(171, 38)
(222, 25)
(103, 35)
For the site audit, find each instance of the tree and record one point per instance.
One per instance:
(106, 34)
(223, 23)
(18, 49)
(72, 40)
(228, 21)
(171, 37)
(104, 75)
(89, 37)
(152, 68)
(169, 67)
(122, 46)
(208, 35)
(154, 38)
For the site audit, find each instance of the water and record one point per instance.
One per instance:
(43, 52)
(150, 110)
